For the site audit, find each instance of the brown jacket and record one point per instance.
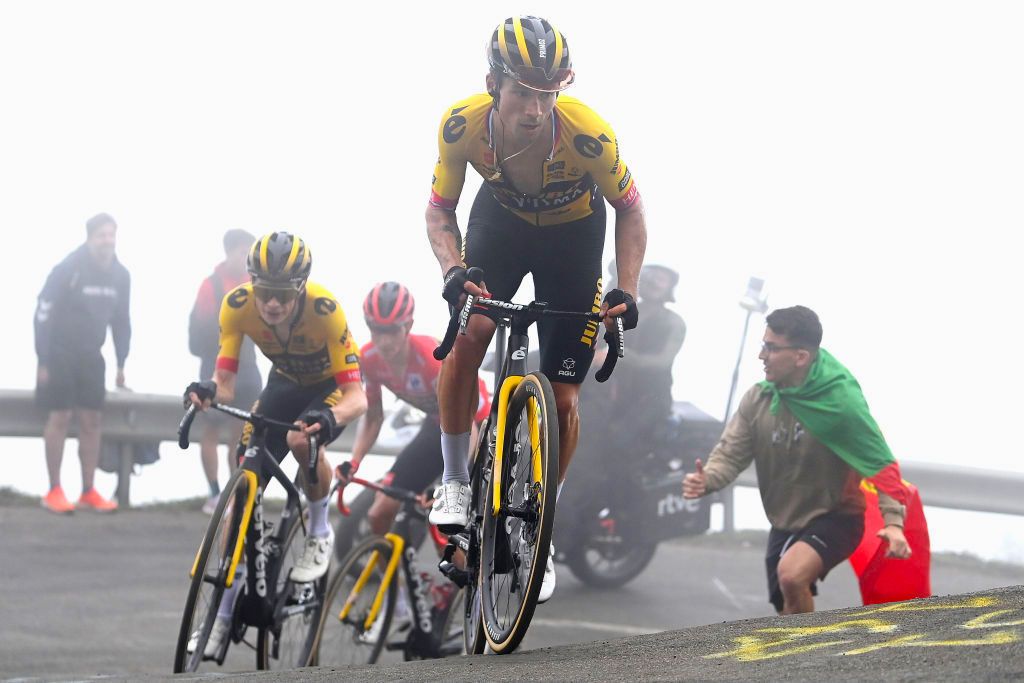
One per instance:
(799, 477)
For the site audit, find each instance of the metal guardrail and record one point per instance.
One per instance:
(130, 418)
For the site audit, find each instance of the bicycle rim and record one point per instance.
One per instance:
(288, 643)
(207, 584)
(516, 542)
(342, 637)
(473, 637)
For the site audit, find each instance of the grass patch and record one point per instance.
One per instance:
(11, 498)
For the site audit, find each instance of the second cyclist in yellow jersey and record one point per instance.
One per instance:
(316, 346)
(314, 382)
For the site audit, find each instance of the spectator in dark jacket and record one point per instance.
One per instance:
(203, 336)
(84, 294)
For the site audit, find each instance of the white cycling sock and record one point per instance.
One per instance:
(227, 601)
(455, 451)
(318, 527)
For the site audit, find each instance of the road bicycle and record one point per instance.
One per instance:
(358, 622)
(513, 478)
(284, 613)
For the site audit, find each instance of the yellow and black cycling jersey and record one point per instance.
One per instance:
(584, 157)
(318, 346)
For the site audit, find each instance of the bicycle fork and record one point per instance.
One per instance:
(397, 547)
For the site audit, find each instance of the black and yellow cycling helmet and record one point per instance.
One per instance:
(279, 260)
(532, 52)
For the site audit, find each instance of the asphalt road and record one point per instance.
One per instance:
(89, 595)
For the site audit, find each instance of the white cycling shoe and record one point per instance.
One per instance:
(547, 586)
(315, 559)
(451, 507)
(218, 634)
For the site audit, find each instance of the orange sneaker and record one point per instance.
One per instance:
(92, 499)
(56, 501)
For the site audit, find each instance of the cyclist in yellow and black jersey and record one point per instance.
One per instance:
(315, 379)
(316, 345)
(548, 164)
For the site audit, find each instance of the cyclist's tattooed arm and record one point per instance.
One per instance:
(445, 237)
(630, 245)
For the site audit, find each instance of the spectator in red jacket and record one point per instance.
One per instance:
(203, 336)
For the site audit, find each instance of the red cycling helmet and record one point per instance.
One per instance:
(388, 303)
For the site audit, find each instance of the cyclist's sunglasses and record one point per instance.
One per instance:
(283, 295)
(535, 78)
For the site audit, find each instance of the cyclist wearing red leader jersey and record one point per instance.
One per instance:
(403, 363)
(315, 380)
(548, 163)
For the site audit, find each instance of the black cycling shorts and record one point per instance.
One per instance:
(76, 381)
(284, 400)
(420, 462)
(565, 261)
(833, 536)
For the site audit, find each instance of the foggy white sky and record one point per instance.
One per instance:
(864, 158)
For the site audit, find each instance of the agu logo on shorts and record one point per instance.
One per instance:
(568, 368)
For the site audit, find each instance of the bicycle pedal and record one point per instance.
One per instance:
(459, 577)
(302, 592)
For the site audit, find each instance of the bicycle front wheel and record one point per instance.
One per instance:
(474, 641)
(208, 582)
(344, 638)
(287, 643)
(516, 540)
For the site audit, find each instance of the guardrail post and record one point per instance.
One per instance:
(728, 509)
(124, 474)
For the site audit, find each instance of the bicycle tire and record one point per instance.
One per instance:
(344, 642)
(355, 527)
(291, 638)
(509, 592)
(207, 583)
(474, 640)
(452, 642)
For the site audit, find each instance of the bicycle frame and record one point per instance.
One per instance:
(519, 318)
(257, 466)
(403, 558)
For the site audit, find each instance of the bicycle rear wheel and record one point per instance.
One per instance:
(343, 637)
(516, 541)
(288, 642)
(208, 579)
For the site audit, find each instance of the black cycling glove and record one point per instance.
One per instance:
(632, 316)
(454, 285)
(323, 417)
(205, 390)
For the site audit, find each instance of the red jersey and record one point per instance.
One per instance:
(418, 387)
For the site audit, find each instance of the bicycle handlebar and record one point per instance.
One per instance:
(615, 340)
(257, 420)
(460, 319)
(345, 469)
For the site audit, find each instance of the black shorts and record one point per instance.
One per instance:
(283, 399)
(565, 261)
(420, 462)
(833, 536)
(76, 381)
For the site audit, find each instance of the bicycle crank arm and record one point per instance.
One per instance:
(527, 513)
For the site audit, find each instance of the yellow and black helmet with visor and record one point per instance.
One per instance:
(279, 262)
(532, 52)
